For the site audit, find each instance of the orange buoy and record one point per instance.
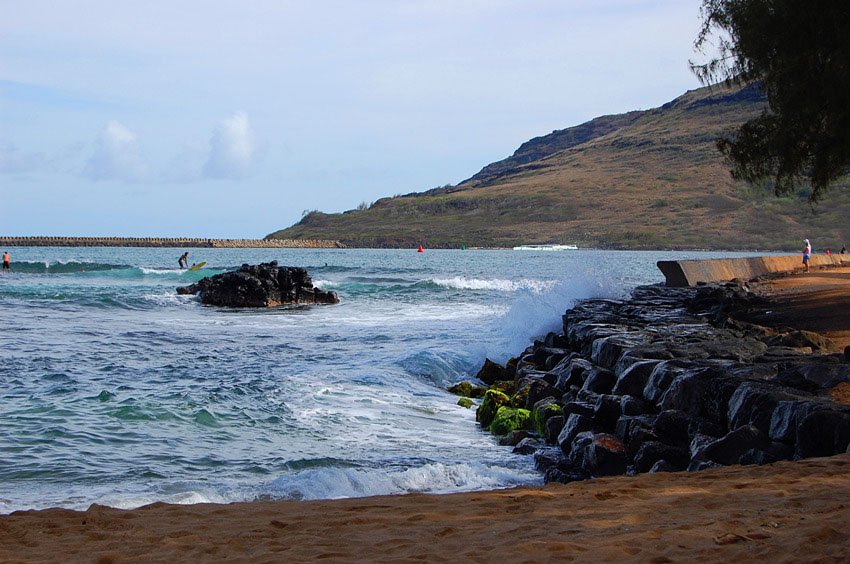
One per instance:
(420, 249)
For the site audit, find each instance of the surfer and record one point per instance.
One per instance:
(7, 261)
(184, 260)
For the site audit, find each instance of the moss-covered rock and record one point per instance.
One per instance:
(509, 419)
(493, 400)
(465, 402)
(467, 390)
(542, 413)
(507, 387)
(520, 397)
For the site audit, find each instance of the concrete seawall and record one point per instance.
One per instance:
(169, 242)
(680, 273)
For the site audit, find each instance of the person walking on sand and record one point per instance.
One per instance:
(807, 253)
(7, 261)
(184, 260)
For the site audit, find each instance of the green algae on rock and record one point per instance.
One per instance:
(467, 390)
(542, 414)
(465, 402)
(509, 419)
(486, 412)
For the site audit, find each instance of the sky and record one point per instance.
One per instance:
(206, 118)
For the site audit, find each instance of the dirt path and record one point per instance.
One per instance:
(816, 301)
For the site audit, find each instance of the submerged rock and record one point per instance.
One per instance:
(467, 390)
(262, 285)
(465, 402)
(528, 445)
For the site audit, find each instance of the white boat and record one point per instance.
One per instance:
(546, 248)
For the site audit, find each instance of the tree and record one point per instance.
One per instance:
(799, 53)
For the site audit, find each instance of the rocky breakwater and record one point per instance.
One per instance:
(262, 285)
(668, 380)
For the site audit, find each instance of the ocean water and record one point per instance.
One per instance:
(115, 390)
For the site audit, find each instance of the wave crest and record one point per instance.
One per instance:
(496, 284)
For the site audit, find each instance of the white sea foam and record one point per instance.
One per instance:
(385, 314)
(160, 271)
(189, 497)
(336, 483)
(499, 285)
(167, 298)
(339, 483)
(532, 317)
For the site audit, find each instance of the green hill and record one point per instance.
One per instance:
(644, 179)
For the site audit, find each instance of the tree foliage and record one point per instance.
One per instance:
(799, 52)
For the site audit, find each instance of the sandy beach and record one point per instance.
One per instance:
(788, 511)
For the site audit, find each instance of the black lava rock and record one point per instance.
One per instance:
(261, 285)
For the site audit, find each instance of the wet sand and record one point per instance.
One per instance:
(789, 511)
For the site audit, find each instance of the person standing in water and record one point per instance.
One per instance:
(807, 253)
(184, 260)
(7, 261)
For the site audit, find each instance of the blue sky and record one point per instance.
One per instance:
(229, 119)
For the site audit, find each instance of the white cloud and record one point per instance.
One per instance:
(232, 148)
(116, 156)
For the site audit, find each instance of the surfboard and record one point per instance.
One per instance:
(197, 266)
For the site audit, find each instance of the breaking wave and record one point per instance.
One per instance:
(500, 285)
(335, 483)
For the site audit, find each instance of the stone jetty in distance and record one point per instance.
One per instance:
(42, 241)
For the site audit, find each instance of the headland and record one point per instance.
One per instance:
(176, 242)
(648, 179)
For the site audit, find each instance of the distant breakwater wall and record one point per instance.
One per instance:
(169, 242)
(681, 273)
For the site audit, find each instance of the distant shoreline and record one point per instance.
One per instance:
(215, 243)
(177, 242)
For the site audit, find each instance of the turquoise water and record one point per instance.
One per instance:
(115, 390)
